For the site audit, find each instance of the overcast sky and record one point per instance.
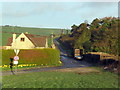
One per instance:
(55, 14)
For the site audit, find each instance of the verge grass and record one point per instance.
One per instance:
(61, 80)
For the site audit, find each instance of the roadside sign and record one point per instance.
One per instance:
(16, 58)
(16, 51)
(15, 62)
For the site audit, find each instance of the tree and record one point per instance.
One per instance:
(74, 28)
(102, 35)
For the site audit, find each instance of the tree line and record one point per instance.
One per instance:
(102, 35)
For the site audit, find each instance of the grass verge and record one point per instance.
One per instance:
(61, 80)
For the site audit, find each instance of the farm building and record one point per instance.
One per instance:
(26, 41)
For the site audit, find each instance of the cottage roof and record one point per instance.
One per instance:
(9, 41)
(37, 41)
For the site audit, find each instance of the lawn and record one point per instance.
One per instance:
(61, 80)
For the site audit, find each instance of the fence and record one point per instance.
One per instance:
(104, 56)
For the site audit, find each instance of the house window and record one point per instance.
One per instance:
(22, 39)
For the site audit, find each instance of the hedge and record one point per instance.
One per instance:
(33, 56)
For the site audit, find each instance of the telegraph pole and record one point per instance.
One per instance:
(52, 38)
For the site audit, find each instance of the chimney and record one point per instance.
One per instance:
(14, 37)
(46, 44)
(26, 32)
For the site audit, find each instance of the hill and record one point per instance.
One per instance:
(37, 31)
(8, 30)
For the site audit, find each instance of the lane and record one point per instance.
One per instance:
(71, 62)
(68, 61)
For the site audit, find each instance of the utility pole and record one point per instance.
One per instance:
(67, 32)
(13, 29)
(62, 32)
(51, 38)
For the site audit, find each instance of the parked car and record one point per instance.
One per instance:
(78, 53)
(78, 57)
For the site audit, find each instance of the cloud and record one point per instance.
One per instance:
(58, 11)
(99, 4)
(94, 5)
(91, 10)
(28, 9)
(14, 10)
(24, 9)
(42, 8)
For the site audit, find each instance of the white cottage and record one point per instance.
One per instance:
(26, 41)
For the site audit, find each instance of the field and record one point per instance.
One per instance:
(7, 32)
(34, 56)
(61, 80)
(38, 31)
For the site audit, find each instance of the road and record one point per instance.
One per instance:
(68, 62)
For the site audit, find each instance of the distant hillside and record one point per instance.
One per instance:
(38, 31)
(8, 30)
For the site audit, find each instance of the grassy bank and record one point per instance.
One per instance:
(33, 56)
(61, 80)
(38, 31)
